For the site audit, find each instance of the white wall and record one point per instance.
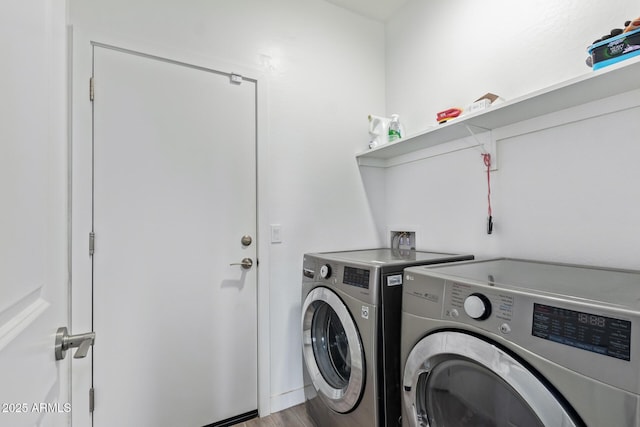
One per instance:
(448, 54)
(325, 73)
(568, 193)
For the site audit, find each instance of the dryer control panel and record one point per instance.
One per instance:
(492, 310)
(487, 308)
(519, 305)
(592, 332)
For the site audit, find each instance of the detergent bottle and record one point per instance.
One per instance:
(395, 128)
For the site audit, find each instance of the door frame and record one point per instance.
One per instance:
(81, 43)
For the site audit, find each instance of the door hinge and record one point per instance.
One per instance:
(91, 89)
(92, 243)
(92, 401)
(236, 79)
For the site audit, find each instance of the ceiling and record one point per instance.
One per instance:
(380, 10)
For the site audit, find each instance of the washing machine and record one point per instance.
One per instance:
(509, 342)
(351, 307)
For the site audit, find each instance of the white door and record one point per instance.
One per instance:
(33, 225)
(174, 192)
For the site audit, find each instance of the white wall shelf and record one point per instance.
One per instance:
(596, 85)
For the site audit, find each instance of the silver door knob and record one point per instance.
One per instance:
(64, 342)
(246, 263)
(246, 240)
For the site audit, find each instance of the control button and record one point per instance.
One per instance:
(505, 328)
(325, 271)
(477, 306)
(454, 313)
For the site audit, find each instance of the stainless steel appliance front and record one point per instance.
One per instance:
(351, 334)
(516, 342)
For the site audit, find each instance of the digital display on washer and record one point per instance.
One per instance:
(356, 277)
(599, 334)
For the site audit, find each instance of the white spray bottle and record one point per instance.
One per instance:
(378, 130)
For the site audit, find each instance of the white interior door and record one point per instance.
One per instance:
(33, 215)
(174, 193)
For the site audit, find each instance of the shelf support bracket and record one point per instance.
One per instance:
(486, 147)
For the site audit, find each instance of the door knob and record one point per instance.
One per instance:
(246, 263)
(246, 240)
(64, 342)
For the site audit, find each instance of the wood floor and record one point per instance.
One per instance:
(292, 417)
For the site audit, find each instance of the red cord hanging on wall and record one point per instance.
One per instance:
(487, 162)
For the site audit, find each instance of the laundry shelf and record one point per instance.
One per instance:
(603, 83)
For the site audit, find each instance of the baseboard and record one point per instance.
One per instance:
(235, 420)
(286, 400)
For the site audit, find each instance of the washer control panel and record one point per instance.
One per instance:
(488, 309)
(359, 277)
(355, 279)
(339, 274)
(325, 271)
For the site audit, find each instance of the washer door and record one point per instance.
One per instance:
(332, 350)
(456, 379)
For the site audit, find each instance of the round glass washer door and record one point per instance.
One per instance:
(332, 350)
(452, 379)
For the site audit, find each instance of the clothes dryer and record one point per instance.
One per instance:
(351, 307)
(510, 342)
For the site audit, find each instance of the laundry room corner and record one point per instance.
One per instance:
(560, 189)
